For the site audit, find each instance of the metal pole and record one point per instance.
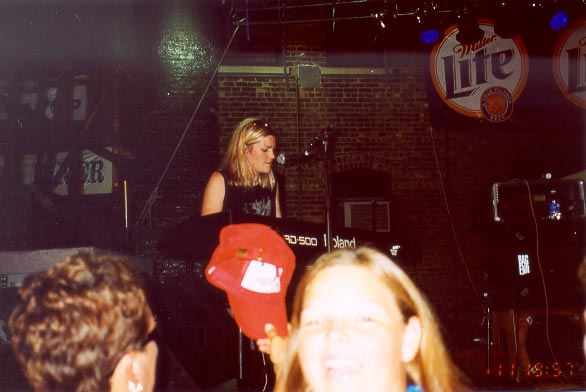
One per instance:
(488, 339)
(126, 214)
(240, 356)
(327, 190)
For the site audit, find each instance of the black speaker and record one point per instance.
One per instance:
(197, 328)
(16, 265)
(171, 375)
(535, 265)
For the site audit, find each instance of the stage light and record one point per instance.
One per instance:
(379, 17)
(430, 37)
(385, 19)
(559, 20)
(558, 13)
(468, 30)
(428, 23)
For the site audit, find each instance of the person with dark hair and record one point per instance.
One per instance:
(360, 324)
(245, 182)
(85, 325)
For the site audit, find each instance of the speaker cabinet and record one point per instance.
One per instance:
(16, 265)
(532, 268)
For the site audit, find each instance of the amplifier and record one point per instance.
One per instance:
(516, 201)
(16, 265)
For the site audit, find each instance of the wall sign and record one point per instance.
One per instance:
(96, 173)
(569, 63)
(481, 80)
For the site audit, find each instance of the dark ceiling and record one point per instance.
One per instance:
(38, 35)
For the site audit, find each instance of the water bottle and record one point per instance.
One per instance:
(553, 208)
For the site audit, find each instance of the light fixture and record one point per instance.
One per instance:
(468, 30)
(380, 18)
(557, 15)
(387, 16)
(559, 19)
(428, 23)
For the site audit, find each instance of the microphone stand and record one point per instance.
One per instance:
(323, 139)
(327, 187)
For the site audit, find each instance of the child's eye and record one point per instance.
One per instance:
(365, 318)
(312, 322)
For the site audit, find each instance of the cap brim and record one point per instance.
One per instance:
(252, 317)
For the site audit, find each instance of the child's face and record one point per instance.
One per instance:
(352, 333)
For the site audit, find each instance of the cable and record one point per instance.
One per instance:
(302, 6)
(515, 333)
(537, 252)
(285, 22)
(146, 211)
(450, 217)
(264, 364)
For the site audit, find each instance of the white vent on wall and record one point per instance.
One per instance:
(367, 215)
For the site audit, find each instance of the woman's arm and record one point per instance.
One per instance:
(213, 196)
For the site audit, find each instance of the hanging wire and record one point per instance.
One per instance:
(146, 211)
(311, 5)
(455, 235)
(283, 47)
(307, 20)
(247, 23)
(541, 274)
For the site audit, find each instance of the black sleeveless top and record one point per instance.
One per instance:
(249, 200)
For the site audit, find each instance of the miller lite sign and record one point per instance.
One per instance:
(569, 63)
(480, 80)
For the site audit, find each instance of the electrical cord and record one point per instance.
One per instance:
(450, 218)
(546, 299)
(266, 374)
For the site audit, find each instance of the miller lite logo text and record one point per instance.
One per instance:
(462, 74)
(569, 63)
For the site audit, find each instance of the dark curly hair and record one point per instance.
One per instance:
(74, 322)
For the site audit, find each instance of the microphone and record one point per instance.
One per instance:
(310, 149)
(310, 153)
(285, 160)
(320, 138)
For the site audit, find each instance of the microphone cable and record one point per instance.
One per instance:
(541, 274)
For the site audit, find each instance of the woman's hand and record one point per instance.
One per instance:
(273, 345)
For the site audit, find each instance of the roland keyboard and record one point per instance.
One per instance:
(196, 238)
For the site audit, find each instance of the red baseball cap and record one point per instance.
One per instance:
(253, 264)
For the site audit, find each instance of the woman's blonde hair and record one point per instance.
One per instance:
(239, 172)
(432, 368)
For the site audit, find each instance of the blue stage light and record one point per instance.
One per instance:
(429, 37)
(559, 20)
(429, 23)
